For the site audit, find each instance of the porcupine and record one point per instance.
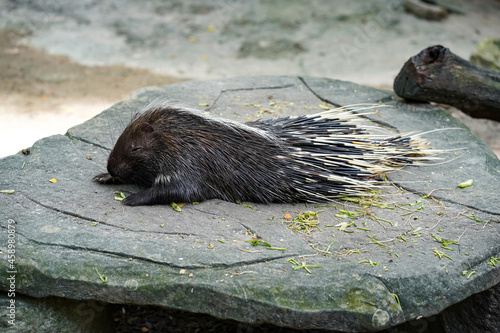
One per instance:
(184, 155)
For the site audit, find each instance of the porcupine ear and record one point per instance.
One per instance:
(147, 128)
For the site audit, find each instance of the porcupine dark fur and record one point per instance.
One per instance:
(181, 155)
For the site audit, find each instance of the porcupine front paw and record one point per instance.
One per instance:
(138, 199)
(106, 178)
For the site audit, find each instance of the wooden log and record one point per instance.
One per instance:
(438, 75)
(425, 10)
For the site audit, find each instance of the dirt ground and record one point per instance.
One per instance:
(43, 94)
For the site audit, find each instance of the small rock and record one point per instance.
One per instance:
(487, 54)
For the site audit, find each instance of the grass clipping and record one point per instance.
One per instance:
(305, 221)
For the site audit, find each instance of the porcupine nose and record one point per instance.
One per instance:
(113, 168)
(119, 170)
(111, 172)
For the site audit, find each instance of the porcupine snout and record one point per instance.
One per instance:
(117, 169)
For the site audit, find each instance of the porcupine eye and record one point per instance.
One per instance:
(135, 149)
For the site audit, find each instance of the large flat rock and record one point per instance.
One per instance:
(380, 265)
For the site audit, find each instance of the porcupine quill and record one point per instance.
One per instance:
(183, 155)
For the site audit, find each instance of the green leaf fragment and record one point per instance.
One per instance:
(470, 274)
(256, 242)
(104, 279)
(370, 262)
(175, 207)
(375, 241)
(307, 221)
(444, 242)
(120, 196)
(397, 299)
(467, 183)
(440, 254)
(493, 261)
(303, 265)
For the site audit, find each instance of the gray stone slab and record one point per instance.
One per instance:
(202, 259)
